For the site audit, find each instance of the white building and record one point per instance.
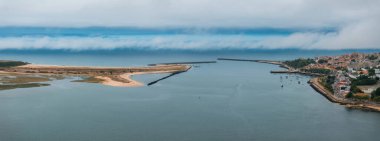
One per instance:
(377, 72)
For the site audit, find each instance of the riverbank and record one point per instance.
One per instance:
(315, 83)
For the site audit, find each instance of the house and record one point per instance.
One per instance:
(349, 69)
(341, 84)
(364, 71)
(377, 72)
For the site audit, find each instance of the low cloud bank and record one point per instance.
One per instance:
(362, 35)
(357, 23)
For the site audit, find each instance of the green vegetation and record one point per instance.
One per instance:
(89, 80)
(361, 96)
(355, 89)
(371, 72)
(5, 63)
(349, 95)
(322, 61)
(299, 63)
(17, 79)
(317, 70)
(342, 69)
(377, 99)
(27, 85)
(13, 81)
(363, 80)
(372, 57)
(356, 93)
(327, 82)
(376, 94)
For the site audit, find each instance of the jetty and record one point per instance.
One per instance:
(297, 72)
(183, 63)
(166, 77)
(252, 60)
(233, 59)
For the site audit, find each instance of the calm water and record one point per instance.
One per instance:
(227, 101)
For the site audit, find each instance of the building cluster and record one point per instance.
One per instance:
(355, 61)
(347, 67)
(342, 84)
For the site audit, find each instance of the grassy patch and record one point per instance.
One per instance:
(23, 79)
(16, 86)
(377, 99)
(10, 81)
(317, 70)
(327, 82)
(361, 96)
(6, 63)
(299, 63)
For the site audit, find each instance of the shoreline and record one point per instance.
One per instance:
(314, 83)
(128, 77)
(111, 76)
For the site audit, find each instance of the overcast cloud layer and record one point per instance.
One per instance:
(357, 21)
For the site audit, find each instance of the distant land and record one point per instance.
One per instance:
(18, 74)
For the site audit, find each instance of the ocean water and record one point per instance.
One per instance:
(223, 101)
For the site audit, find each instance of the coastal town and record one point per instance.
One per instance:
(350, 79)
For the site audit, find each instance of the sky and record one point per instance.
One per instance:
(355, 22)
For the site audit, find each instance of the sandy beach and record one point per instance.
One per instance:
(129, 82)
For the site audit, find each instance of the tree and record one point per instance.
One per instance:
(12, 63)
(299, 63)
(317, 70)
(355, 89)
(364, 80)
(372, 57)
(327, 82)
(322, 61)
(375, 93)
(349, 95)
(371, 72)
